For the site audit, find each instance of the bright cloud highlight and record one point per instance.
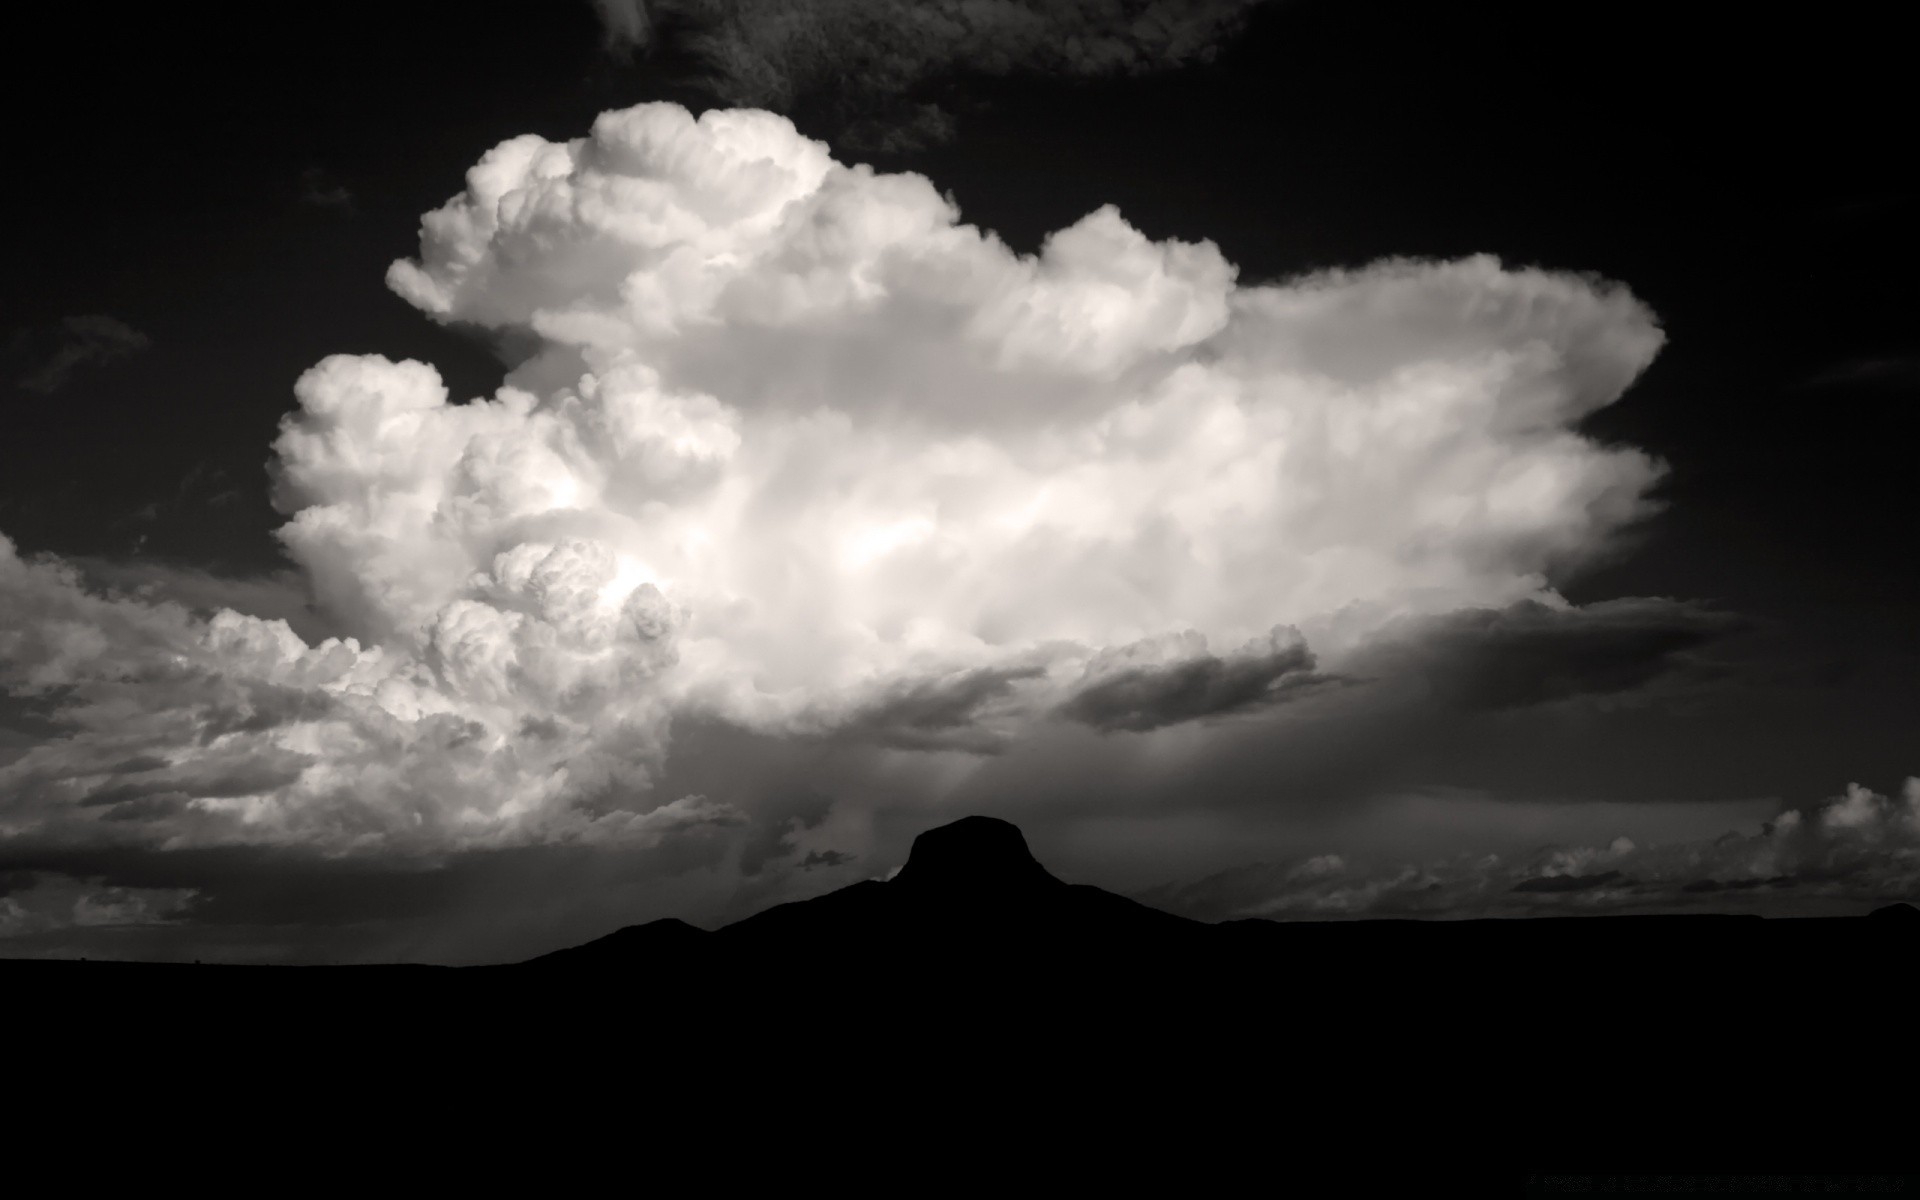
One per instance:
(799, 450)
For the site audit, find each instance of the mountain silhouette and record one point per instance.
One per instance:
(971, 899)
(973, 948)
(978, 856)
(974, 1002)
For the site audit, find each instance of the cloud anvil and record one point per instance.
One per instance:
(795, 439)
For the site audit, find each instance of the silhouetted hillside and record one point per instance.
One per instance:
(976, 985)
(971, 905)
(972, 900)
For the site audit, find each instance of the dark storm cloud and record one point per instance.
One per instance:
(144, 762)
(157, 807)
(1122, 693)
(1529, 654)
(776, 824)
(263, 706)
(871, 66)
(1703, 886)
(44, 360)
(31, 717)
(263, 770)
(944, 713)
(52, 903)
(824, 858)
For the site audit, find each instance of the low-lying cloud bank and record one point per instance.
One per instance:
(1861, 847)
(35, 903)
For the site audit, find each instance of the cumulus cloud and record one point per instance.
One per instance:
(48, 358)
(1861, 847)
(868, 64)
(232, 729)
(799, 452)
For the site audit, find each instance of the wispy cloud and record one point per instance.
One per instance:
(319, 189)
(1882, 371)
(49, 358)
(873, 66)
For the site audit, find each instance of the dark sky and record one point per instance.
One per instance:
(230, 194)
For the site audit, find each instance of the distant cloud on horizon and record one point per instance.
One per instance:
(1861, 847)
(33, 902)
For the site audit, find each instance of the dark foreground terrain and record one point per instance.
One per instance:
(975, 1010)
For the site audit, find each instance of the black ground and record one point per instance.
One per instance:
(977, 1010)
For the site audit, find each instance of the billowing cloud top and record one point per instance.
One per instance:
(796, 449)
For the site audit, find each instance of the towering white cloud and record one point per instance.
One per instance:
(800, 450)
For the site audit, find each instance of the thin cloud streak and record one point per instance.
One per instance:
(875, 68)
(52, 357)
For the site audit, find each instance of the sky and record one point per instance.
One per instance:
(469, 482)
